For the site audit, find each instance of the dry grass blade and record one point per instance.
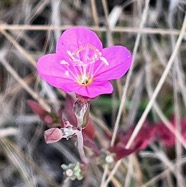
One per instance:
(8, 132)
(11, 148)
(135, 30)
(123, 99)
(156, 91)
(25, 86)
(20, 49)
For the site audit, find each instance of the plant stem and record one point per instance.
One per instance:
(80, 146)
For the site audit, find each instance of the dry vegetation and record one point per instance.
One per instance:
(154, 90)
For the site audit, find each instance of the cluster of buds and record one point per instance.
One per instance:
(72, 171)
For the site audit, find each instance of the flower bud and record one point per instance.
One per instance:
(53, 135)
(81, 111)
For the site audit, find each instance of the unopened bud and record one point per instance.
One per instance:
(81, 111)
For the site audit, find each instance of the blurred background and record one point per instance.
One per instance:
(149, 29)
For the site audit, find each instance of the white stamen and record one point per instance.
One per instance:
(104, 60)
(64, 62)
(75, 57)
(69, 53)
(67, 73)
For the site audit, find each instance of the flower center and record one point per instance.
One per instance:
(83, 64)
(84, 80)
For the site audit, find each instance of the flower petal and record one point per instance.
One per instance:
(50, 69)
(98, 88)
(74, 38)
(119, 59)
(91, 91)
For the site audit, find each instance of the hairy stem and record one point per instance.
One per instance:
(80, 146)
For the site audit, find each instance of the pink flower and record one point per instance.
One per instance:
(81, 65)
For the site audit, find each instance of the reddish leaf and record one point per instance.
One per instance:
(68, 110)
(166, 136)
(37, 109)
(48, 119)
(184, 128)
(120, 152)
(144, 137)
(88, 136)
(51, 119)
(91, 144)
(89, 131)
